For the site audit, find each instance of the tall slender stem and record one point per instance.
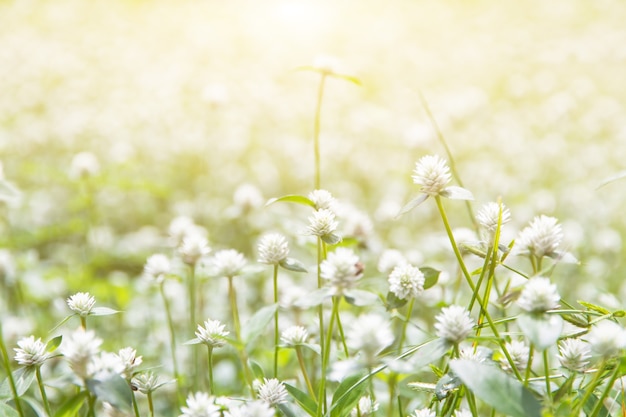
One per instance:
(170, 325)
(546, 371)
(596, 409)
(316, 130)
(325, 357)
(150, 404)
(276, 335)
(243, 356)
(305, 374)
(321, 255)
(192, 324)
(405, 324)
(7, 367)
(134, 401)
(42, 390)
(210, 357)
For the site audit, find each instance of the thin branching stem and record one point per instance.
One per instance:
(7, 367)
(172, 331)
(42, 390)
(276, 334)
(305, 374)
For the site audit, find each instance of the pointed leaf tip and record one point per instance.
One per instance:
(412, 204)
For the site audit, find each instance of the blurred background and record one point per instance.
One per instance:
(118, 116)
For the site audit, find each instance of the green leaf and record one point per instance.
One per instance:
(315, 298)
(70, 407)
(331, 239)
(392, 301)
(256, 369)
(102, 311)
(114, 390)
(431, 276)
(286, 409)
(349, 78)
(298, 199)
(194, 341)
(347, 395)
(412, 204)
(22, 377)
(619, 313)
(7, 411)
(447, 385)
(360, 298)
(35, 406)
(307, 403)
(293, 265)
(457, 193)
(314, 347)
(257, 323)
(499, 390)
(593, 307)
(430, 352)
(591, 403)
(542, 330)
(54, 343)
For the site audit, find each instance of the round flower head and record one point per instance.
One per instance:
(30, 352)
(84, 164)
(228, 263)
(273, 248)
(294, 336)
(454, 323)
(488, 216)
(539, 295)
(181, 227)
(342, 269)
(541, 238)
(104, 365)
(366, 407)
(157, 267)
(323, 200)
(272, 391)
(519, 355)
(424, 412)
(212, 334)
(406, 281)
(78, 348)
(322, 223)
(575, 354)
(200, 405)
(607, 338)
(81, 303)
(193, 248)
(130, 360)
(251, 409)
(432, 173)
(146, 382)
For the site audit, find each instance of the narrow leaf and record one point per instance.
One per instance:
(392, 301)
(298, 199)
(286, 410)
(54, 343)
(350, 78)
(23, 378)
(314, 347)
(542, 330)
(256, 370)
(429, 353)
(457, 193)
(307, 403)
(194, 341)
(593, 307)
(499, 390)
(102, 311)
(315, 298)
(360, 298)
(612, 178)
(257, 323)
(347, 395)
(114, 390)
(7, 411)
(412, 204)
(331, 238)
(70, 407)
(431, 276)
(447, 385)
(293, 265)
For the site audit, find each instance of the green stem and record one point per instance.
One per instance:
(596, 409)
(276, 335)
(341, 334)
(83, 322)
(590, 388)
(232, 295)
(305, 375)
(42, 390)
(546, 371)
(405, 324)
(192, 325)
(170, 325)
(210, 355)
(321, 255)
(451, 161)
(150, 404)
(7, 367)
(325, 358)
(316, 130)
(531, 351)
(134, 401)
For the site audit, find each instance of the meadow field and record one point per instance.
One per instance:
(242, 179)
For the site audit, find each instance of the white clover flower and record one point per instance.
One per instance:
(157, 267)
(323, 200)
(200, 404)
(342, 269)
(518, 351)
(406, 281)
(322, 223)
(78, 348)
(251, 409)
(423, 412)
(368, 335)
(146, 382)
(84, 164)
(193, 248)
(130, 360)
(273, 249)
(575, 354)
(294, 336)
(389, 259)
(471, 354)
(454, 323)
(541, 238)
(182, 227)
(607, 339)
(488, 216)
(366, 407)
(272, 391)
(213, 333)
(247, 197)
(228, 263)
(30, 352)
(539, 295)
(81, 303)
(104, 365)
(432, 173)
